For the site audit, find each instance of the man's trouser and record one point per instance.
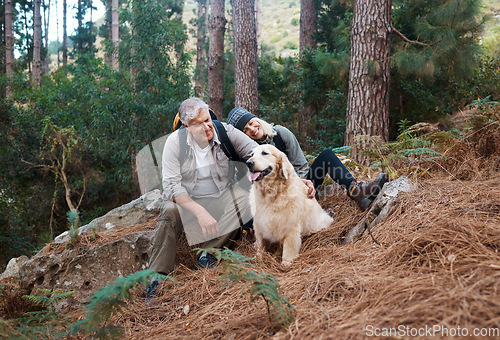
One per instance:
(170, 225)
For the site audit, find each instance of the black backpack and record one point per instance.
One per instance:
(278, 142)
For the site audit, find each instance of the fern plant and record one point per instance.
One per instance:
(43, 324)
(111, 300)
(234, 266)
(50, 298)
(415, 145)
(74, 223)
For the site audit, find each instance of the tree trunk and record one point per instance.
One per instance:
(369, 74)
(57, 32)
(65, 33)
(201, 54)
(46, 16)
(307, 24)
(37, 42)
(217, 26)
(114, 34)
(245, 55)
(9, 41)
(258, 25)
(79, 17)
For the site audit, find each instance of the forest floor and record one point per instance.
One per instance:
(431, 269)
(434, 263)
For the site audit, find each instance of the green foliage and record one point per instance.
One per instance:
(334, 21)
(74, 224)
(111, 300)
(428, 80)
(416, 144)
(113, 115)
(43, 324)
(49, 299)
(234, 267)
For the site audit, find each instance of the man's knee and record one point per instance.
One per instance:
(168, 211)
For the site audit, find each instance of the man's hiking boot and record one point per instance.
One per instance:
(365, 193)
(206, 260)
(152, 291)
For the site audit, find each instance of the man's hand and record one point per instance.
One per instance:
(311, 192)
(208, 225)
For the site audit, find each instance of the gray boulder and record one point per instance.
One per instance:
(87, 272)
(13, 266)
(136, 212)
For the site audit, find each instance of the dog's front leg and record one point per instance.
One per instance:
(291, 248)
(259, 245)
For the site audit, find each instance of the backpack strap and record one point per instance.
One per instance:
(226, 144)
(183, 147)
(278, 141)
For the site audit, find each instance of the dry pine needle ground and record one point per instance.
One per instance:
(436, 263)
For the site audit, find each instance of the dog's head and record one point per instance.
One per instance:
(268, 161)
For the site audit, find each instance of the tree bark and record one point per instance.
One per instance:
(79, 17)
(9, 40)
(65, 33)
(201, 53)
(115, 38)
(217, 27)
(37, 42)
(308, 25)
(258, 25)
(245, 55)
(46, 16)
(369, 74)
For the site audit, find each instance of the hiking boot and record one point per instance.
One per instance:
(206, 260)
(365, 193)
(152, 291)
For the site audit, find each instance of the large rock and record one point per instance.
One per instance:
(382, 207)
(13, 266)
(85, 273)
(136, 212)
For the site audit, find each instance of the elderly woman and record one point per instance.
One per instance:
(327, 162)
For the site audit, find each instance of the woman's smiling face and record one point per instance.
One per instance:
(253, 129)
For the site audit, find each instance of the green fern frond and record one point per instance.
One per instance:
(280, 311)
(49, 298)
(111, 300)
(37, 300)
(419, 152)
(343, 150)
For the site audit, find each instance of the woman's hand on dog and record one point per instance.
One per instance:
(310, 188)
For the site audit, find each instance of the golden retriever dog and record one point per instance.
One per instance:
(278, 200)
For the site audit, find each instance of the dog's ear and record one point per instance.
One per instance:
(285, 167)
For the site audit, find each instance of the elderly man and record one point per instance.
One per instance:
(195, 178)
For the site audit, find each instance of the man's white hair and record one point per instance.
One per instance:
(190, 109)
